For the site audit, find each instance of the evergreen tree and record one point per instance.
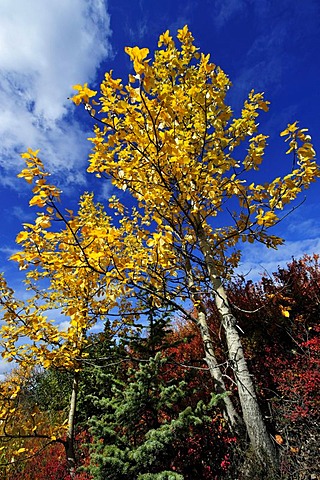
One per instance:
(152, 337)
(143, 430)
(106, 359)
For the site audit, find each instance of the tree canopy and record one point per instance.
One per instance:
(184, 166)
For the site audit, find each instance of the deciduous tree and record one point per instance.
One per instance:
(62, 283)
(169, 138)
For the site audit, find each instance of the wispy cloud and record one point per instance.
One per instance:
(308, 226)
(258, 260)
(45, 48)
(106, 191)
(226, 10)
(270, 50)
(7, 251)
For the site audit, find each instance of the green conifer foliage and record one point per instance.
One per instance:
(143, 428)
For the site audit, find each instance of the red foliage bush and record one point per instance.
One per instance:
(283, 350)
(50, 463)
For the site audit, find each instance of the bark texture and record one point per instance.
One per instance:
(69, 444)
(261, 442)
(215, 371)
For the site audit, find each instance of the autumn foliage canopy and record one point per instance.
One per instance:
(227, 369)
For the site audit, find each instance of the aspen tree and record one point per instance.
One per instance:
(169, 138)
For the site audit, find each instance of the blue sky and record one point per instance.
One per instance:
(47, 46)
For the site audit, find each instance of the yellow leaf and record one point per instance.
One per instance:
(30, 153)
(22, 236)
(46, 363)
(37, 200)
(137, 53)
(291, 128)
(49, 235)
(77, 87)
(21, 450)
(285, 312)
(84, 94)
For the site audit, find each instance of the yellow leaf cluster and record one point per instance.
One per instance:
(83, 95)
(171, 143)
(137, 56)
(168, 139)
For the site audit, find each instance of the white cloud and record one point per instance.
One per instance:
(4, 366)
(63, 326)
(45, 48)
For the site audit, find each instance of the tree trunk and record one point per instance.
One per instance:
(263, 447)
(232, 416)
(69, 444)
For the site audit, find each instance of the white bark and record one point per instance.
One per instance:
(210, 358)
(261, 441)
(69, 444)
